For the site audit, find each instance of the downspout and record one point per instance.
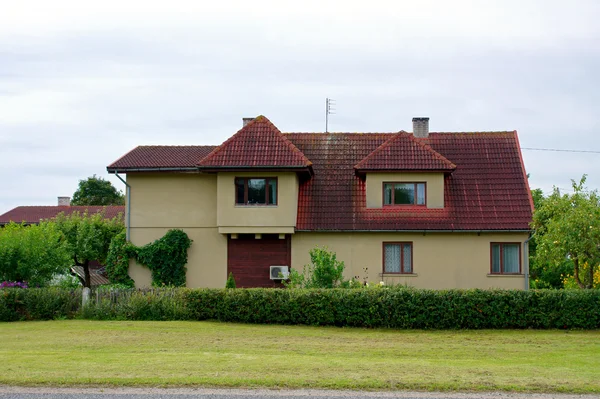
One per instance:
(526, 260)
(128, 210)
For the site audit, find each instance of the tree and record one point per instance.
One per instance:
(34, 254)
(97, 191)
(88, 238)
(568, 228)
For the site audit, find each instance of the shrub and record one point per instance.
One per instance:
(131, 304)
(230, 281)
(395, 307)
(117, 260)
(324, 271)
(38, 303)
(400, 308)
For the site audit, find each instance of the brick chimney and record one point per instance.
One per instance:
(421, 127)
(64, 201)
(246, 121)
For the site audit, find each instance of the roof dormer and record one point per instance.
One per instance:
(404, 173)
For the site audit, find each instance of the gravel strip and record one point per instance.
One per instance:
(180, 393)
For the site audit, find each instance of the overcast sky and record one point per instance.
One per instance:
(82, 83)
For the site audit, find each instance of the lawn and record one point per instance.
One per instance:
(235, 355)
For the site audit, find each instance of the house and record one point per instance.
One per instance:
(431, 210)
(34, 214)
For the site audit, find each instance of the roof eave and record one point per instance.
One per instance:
(299, 169)
(361, 172)
(152, 169)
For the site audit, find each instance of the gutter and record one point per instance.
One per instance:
(128, 209)
(414, 231)
(526, 260)
(125, 170)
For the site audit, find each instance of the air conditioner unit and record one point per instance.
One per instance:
(279, 272)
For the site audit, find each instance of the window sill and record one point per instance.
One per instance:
(398, 275)
(255, 206)
(505, 275)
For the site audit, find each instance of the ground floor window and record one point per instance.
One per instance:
(506, 258)
(397, 257)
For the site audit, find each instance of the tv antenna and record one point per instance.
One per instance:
(329, 110)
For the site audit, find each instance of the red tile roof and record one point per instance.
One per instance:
(487, 191)
(33, 214)
(161, 157)
(403, 151)
(258, 144)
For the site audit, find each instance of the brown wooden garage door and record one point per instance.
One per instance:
(249, 258)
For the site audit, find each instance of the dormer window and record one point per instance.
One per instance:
(399, 193)
(255, 191)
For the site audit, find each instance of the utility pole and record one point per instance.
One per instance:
(329, 110)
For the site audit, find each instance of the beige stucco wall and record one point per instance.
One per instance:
(173, 200)
(186, 201)
(440, 260)
(207, 257)
(283, 215)
(189, 201)
(434, 190)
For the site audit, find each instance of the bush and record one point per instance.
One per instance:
(324, 271)
(38, 303)
(117, 260)
(131, 304)
(400, 308)
(396, 307)
(230, 281)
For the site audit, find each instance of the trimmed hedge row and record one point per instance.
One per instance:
(39, 303)
(401, 308)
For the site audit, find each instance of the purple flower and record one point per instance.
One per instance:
(14, 284)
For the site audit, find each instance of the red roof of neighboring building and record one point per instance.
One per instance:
(161, 157)
(258, 144)
(34, 214)
(404, 152)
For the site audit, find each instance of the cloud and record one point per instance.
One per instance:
(81, 84)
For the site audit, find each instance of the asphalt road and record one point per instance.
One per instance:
(174, 393)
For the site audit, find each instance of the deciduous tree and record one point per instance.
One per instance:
(97, 191)
(568, 227)
(33, 254)
(88, 238)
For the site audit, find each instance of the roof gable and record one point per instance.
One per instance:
(258, 144)
(404, 152)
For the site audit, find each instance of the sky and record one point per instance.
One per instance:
(82, 83)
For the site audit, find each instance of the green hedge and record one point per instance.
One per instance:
(131, 304)
(382, 307)
(38, 303)
(401, 308)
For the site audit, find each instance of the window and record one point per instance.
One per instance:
(403, 194)
(506, 258)
(255, 191)
(397, 257)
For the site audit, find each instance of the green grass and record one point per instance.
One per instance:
(233, 355)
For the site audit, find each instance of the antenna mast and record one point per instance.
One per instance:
(329, 110)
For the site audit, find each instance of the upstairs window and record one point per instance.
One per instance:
(255, 191)
(506, 258)
(403, 194)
